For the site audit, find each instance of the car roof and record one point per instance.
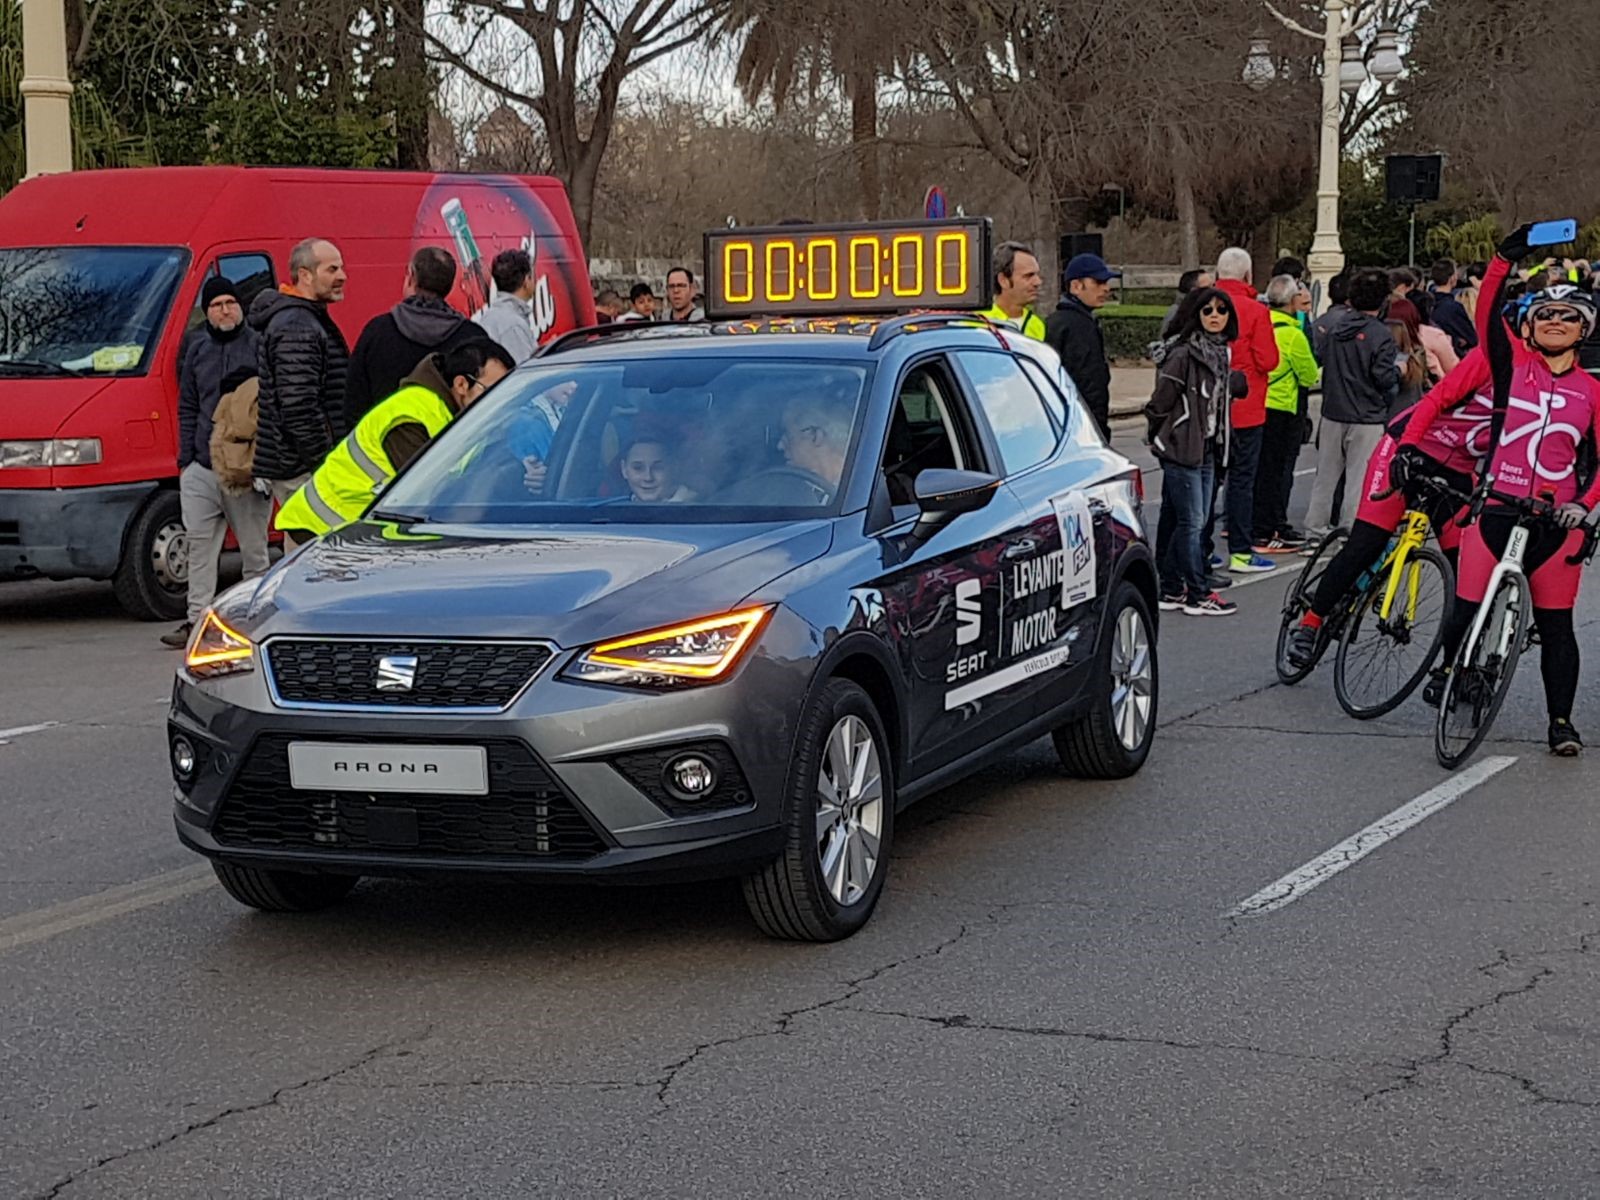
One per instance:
(849, 338)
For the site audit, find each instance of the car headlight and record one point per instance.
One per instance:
(215, 648)
(53, 452)
(695, 652)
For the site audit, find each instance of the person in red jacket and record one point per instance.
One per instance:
(1255, 355)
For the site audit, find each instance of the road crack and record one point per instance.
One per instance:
(851, 988)
(237, 1110)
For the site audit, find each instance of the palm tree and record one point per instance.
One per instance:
(784, 43)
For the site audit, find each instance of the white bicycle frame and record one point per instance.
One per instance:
(1510, 564)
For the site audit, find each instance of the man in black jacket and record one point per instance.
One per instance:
(1360, 378)
(393, 343)
(1449, 314)
(1075, 334)
(221, 348)
(303, 361)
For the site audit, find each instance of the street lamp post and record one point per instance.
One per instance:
(1343, 73)
(46, 88)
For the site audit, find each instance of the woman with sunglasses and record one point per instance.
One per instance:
(1552, 408)
(1189, 433)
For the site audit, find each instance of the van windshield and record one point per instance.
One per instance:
(84, 310)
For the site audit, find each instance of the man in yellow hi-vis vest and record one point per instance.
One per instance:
(442, 387)
(1016, 286)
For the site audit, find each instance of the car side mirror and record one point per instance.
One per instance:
(943, 495)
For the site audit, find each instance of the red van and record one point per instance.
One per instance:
(100, 275)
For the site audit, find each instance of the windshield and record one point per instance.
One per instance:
(90, 310)
(680, 438)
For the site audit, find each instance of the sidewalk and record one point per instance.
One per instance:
(1130, 388)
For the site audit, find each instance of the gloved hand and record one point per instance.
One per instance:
(1570, 516)
(1408, 464)
(1515, 246)
(1238, 385)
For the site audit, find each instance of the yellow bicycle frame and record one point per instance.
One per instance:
(1412, 538)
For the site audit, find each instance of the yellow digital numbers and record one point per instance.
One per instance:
(874, 268)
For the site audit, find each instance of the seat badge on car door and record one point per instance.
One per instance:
(397, 672)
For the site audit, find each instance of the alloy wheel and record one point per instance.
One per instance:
(849, 810)
(1131, 679)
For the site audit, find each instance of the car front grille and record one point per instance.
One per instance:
(342, 673)
(525, 814)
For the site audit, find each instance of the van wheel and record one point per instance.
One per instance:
(152, 580)
(839, 819)
(1111, 738)
(282, 891)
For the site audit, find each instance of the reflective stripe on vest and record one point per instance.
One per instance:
(348, 479)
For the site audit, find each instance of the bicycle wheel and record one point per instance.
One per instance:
(1380, 662)
(1298, 602)
(1481, 675)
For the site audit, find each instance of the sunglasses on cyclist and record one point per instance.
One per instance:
(1216, 310)
(1564, 316)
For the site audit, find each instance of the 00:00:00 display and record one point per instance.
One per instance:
(814, 269)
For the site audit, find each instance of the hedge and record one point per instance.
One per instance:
(1130, 329)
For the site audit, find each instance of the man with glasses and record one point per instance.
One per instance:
(443, 386)
(223, 346)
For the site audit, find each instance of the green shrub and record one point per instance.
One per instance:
(1129, 334)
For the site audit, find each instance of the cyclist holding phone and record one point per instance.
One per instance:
(1549, 408)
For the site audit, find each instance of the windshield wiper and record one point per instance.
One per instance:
(383, 514)
(37, 366)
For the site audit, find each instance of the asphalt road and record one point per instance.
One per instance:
(1058, 995)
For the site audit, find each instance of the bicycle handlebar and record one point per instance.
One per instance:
(1427, 483)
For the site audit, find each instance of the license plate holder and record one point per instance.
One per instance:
(389, 769)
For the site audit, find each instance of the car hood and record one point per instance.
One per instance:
(569, 585)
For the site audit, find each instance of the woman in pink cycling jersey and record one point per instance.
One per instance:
(1552, 408)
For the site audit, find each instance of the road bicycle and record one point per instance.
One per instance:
(1387, 627)
(1480, 677)
(1396, 616)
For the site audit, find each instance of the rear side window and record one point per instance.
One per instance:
(1022, 427)
(250, 273)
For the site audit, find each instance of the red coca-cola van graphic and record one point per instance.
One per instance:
(100, 275)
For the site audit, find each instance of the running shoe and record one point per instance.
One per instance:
(1171, 602)
(1250, 564)
(1302, 646)
(1564, 739)
(1218, 583)
(1209, 606)
(1275, 545)
(1292, 536)
(178, 638)
(1215, 562)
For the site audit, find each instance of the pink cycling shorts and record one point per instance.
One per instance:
(1554, 583)
(1390, 511)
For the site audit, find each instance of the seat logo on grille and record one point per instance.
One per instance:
(397, 672)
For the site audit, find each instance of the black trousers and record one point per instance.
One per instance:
(1280, 450)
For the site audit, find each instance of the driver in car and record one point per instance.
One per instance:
(816, 436)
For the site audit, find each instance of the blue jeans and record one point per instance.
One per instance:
(1185, 504)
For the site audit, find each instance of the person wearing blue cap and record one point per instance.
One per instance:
(1075, 334)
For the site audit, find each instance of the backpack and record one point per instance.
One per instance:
(233, 436)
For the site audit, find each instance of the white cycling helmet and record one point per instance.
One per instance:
(1567, 295)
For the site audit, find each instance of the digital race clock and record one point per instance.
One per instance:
(881, 267)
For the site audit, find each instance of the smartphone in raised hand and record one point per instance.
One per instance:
(1553, 233)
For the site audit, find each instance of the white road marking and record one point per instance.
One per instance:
(27, 928)
(7, 734)
(1353, 849)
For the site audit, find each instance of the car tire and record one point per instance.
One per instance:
(152, 580)
(282, 891)
(1108, 739)
(798, 896)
